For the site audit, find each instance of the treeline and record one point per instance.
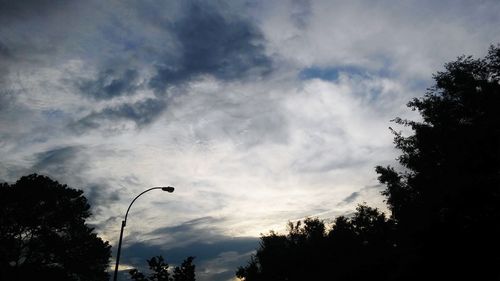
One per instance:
(444, 202)
(353, 249)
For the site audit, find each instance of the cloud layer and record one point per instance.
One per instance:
(259, 112)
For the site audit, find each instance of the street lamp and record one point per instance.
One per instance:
(169, 189)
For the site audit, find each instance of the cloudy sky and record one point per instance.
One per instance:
(258, 112)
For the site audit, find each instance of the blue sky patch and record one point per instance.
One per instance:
(329, 73)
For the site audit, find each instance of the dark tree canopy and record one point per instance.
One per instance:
(447, 202)
(444, 202)
(43, 235)
(160, 271)
(354, 248)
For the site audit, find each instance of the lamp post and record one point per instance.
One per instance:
(124, 223)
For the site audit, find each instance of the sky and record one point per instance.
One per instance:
(257, 112)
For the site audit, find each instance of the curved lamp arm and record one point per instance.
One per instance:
(168, 189)
(124, 222)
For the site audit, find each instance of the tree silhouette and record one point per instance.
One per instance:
(352, 249)
(185, 272)
(43, 235)
(447, 201)
(160, 271)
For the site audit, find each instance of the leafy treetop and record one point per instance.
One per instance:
(43, 234)
(160, 271)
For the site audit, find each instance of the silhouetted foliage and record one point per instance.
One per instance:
(354, 248)
(185, 272)
(43, 235)
(447, 202)
(160, 271)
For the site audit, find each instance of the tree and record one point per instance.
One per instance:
(185, 272)
(447, 200)
(160, 271)
(353, 248)
(43, 235)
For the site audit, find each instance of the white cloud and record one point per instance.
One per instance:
(412, 39)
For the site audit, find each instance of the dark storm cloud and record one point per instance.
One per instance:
(333, 73)
(196, 238)
(198, 39)
(7, 101)
(190, 229)
(55, 161)
(224, 46)
(110, 83)
(141, 113)
(19, 10)
(4, 51)
(202, 250)
(205, 253)
(99, 196)
(32, 30)
(353, 197)
(68, 165)
(6, 58)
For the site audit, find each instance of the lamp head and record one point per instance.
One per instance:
(168, 189)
